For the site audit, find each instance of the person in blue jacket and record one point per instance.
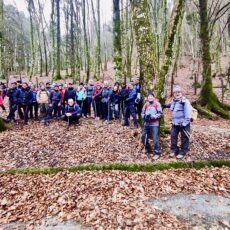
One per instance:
(81, 96)
(72, 112)
(55, 102)
(90, 88)
(181, 110)
(34, 105)
(24, 98)
(105, 101)
(115, 101)
(70, 93)
(123, 96)
(130, 105)
(11, 93)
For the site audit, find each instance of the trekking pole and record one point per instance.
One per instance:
(94, 102)
(108, 111)
(68, 124)
(194, 142)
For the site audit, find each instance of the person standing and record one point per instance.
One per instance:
(90, 88)
(34, 105)
(11, 93)
(55, 102)
(105, 101)
(24, 98)
(97, 96)
(181, 110)
(130, 105)
(151, 113)
(43, 101)
(81, 97)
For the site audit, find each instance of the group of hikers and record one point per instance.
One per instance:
(56, 101)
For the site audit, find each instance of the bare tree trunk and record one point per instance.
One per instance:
(86, 44)
(117, 54)
(58, 57)
(2, 72)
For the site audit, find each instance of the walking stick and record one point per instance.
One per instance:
(68, 123)
(195, 143)
(95, 106)
(108, 110)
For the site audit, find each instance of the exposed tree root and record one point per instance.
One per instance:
(211, 106)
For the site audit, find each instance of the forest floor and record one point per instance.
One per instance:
(112, 199)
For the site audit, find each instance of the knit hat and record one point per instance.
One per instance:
(176, 88)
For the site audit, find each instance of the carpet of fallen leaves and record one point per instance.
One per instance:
(96, 142)
(105, 200)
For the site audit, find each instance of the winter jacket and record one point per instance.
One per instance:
(106, 94)
(132, 95)
(123, 93)
(34, 93)
(24, 96)
(62, 92)
(43, 97)
(70, 93)
(181, 111)
(153, 111)
(97, 94)
(90, 90)
(74, 110)
(138, 88)
(11, 93)
(55, 97)
(81, 95)
(115, 97)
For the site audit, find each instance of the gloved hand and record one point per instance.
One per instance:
(147, 117)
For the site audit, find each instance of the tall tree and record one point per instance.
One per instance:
(117, 54)
(58, 57)
(145, 42)
(2, 72)
(177, 16)
(86, 43)
(32, 43)
(72, 46)
(208, 100)
(98, 50)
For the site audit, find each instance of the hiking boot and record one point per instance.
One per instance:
(156, 157)
(180, 156)
(172, 154)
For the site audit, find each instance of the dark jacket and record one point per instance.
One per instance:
(90, 90)
(97, 94)
(123, 93)
(74, 110)
(55, 97)
(115, 97)
(11, 93)
(132, 95)
(70, 93)
(106, 94)
(24, 96)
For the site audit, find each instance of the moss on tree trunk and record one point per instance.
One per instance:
(117, 56)
(208, 100)
(145, 42)
(2, 72)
